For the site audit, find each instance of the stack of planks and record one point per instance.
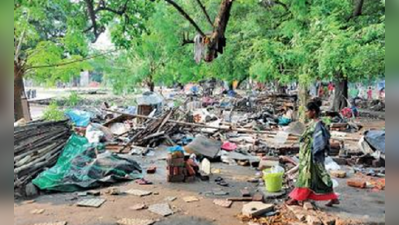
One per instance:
(37, 146)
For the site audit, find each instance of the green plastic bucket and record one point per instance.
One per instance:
(273, 181)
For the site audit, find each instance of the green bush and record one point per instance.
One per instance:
(53, 113)
(73, 100)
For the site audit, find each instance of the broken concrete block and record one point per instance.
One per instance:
(135, 222)
(256, 209)
(312, 220)
(338, 174)
(190, 199)
(138, 193)
(161, 209)
(139, 207)
(37, 211)
(357, 183)
(223, 203)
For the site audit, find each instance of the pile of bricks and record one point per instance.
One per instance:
(179, 169)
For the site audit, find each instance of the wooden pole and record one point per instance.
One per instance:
(194, 124)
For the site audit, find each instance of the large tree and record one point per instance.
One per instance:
(47, 36)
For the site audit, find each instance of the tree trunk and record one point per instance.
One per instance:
(19, 90)
(218, 40)
(303, 94)
(151, 86)
(341, 93)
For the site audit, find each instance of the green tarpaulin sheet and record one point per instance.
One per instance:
(84, 166)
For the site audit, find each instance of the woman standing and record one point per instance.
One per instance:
(314, 182)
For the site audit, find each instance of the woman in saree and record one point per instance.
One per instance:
(314, 182)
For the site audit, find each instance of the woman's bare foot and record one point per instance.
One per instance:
(332, 203)
(292, 202)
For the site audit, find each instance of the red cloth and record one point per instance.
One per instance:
(228, 146)
(303, 194)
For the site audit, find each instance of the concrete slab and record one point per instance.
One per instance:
(256, 209)
(161, 209)
(91, 203)
(138, 193)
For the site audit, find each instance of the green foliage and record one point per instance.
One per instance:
(285, 41)
(73, 99)
(53, 113)
(48, 38)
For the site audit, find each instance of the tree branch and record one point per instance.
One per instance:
(68, 63)
(119, 12)
(282, 4)
(181, 11)
(205, 12)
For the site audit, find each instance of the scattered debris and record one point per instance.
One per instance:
(37, 211)
(135, 222)
(190, 199)
(138, 193)
(91, 203)
(139, 207)
(256, 209)
(53, 223)
(161, 209)
(223, 203)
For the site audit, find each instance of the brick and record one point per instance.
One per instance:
(357, 183)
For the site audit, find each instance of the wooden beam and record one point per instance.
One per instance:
(193, 124)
